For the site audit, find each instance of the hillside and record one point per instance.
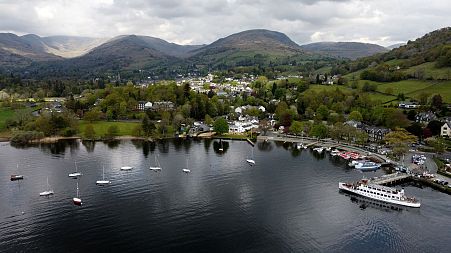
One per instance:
(350, 50)
(434, 47)
(248, 48)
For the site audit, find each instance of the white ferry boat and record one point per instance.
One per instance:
(379, 192)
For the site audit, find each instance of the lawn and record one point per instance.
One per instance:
(5, 114)
(430, 71)
(374, 96)
(101, 127)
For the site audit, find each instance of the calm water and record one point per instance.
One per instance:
(288, 202)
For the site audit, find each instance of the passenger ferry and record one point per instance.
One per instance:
(379, 192)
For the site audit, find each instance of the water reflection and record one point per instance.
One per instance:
(218, 145)
(89, 145)
(112, 144)
(264, 146)
(318, 156)
(363, 203)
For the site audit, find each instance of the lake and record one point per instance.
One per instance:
(288, 202)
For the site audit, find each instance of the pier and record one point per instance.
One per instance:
(390, 179)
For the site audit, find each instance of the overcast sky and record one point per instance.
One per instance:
(384, 22)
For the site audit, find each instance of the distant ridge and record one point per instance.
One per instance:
(350, 50)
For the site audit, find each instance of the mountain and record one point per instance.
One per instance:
(395, 46)
(351, 50)
(16, 51)
(247, 48)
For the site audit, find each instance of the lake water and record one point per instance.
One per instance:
(288, 202)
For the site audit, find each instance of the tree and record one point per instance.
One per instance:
(90, 133)
(319, 130)
(437, 101)
(92, 115)
(399, 140)
(221, 126)
(264, 125)
(296, 127)
(322, 112)
(437, 143)
(356, 116)
(435, 127)
(147, 126)
(112, 131)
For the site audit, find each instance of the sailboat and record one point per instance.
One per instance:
(157, 166)
(48, 192)
(103, 181)
(126, 168)
(251, 161)
(15, 177)
(186, 170)
(75, 174)
(77, 200)
(221, 148)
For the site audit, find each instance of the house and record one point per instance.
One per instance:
(141, 105)
(262, 108)
(425, 117)
(445, 130)
(239, 110)
(163, 105)
(148, 106)
(376, 134)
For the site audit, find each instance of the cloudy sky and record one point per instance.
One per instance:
(202, 21)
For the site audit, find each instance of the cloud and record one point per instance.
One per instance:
(203, 21)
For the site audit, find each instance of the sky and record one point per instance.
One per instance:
(383, 22)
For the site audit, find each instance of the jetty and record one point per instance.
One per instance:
(390, 179)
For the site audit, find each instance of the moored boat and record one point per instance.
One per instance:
(126, 168)
(48, 192)
(103, 181)
(367, 166)
(77, 200)
(379, 192)
(16, 177)
(75, 174)
(157, 166)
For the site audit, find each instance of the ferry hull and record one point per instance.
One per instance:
(344, 187)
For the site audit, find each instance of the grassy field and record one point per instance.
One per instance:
(430, 71)
(406, 87)
(442, 88)
(5, 114)
(101, 127)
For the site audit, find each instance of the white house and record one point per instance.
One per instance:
(239, 110)
(148, 105)
(445, 130)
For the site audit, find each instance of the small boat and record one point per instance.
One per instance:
(355, 162)
(77, 200)
(368, 166)
(319, 149)
(126, 168)
(335, 152)
(103, 181)
(186, 170)
(75, 174)
(379, 192)
(48, 192)
(301, 146)
(157, 166)
(251, 160)
(16, 177)
(328, 149)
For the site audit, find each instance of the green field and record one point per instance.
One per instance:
(406, 87)
(101, 127)
(5, 114)
(442, 88)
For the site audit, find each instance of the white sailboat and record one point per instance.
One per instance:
(75, 174)
(251, 160)
(48, 192)
(15, 177)
(77, 200)
(103, 181)
(157, 166)
(186, 170)
(126, 168)
(221, 148)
